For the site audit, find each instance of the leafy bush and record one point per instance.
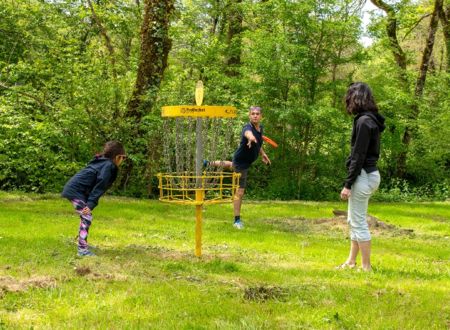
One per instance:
(398, 190)
(33, 155)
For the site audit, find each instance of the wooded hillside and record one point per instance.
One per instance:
(74, 74)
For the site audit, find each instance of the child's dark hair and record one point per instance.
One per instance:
(111, 149)
(359, 98)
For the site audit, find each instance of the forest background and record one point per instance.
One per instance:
(74, 74)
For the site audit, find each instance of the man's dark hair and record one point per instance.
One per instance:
(359, 98)
(254, 107)
(112, 149)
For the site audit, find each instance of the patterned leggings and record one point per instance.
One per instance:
(85, 223)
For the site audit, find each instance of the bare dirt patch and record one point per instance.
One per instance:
(338, 222)
(107, 277)
(11, 284)
(82, 270)
(375, 224)
(263, 293)
(87, 272)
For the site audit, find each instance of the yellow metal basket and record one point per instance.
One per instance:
(197, 187)
(190, 189)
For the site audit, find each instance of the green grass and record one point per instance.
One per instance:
(278, 273)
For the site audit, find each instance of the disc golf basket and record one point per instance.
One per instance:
(193, 133)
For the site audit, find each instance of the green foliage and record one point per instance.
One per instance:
(428, 158)
(62, 103)
(430, 161)
(398, 190)
(66, 80)
(31, 154)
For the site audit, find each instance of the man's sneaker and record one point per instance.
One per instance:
(238, 224)
(85, 253)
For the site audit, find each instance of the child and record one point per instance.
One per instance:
(247, 152)
(85, 188)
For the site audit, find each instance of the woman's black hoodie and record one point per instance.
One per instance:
(365, 145)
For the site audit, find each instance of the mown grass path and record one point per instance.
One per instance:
(277, 273)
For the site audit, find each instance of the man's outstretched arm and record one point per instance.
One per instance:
(250, 137)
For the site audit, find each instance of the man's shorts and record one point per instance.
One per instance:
(243, 178)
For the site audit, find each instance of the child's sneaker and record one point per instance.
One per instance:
(238, 224)
(85, 253)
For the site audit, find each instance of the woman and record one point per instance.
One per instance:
(363, 177)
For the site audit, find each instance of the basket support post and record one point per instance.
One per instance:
(198, 221)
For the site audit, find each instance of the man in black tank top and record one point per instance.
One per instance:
(250, 147)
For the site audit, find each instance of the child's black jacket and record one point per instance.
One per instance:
(91, 182)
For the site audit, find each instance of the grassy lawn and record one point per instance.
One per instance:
(277, 273)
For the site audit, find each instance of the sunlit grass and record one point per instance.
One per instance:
(276, 273)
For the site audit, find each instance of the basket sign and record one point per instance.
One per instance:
(199, 111)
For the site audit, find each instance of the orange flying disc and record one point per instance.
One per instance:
(270, 141)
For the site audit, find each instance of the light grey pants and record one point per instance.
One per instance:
(364, 186)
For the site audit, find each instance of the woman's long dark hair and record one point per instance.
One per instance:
(359, 98)
(113, 149)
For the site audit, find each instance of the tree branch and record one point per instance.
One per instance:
(41, 103)
(391, 29)
(415, 25)
(105, 35)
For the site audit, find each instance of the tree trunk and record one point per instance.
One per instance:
(105, 35)
(155, 47)
(444, 15)
(420, 84)
(391, 30)
(234, 38)
(112, 56)
(426, 55)
(215, 16)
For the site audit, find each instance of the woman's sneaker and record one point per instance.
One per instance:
(85, 253)
(238, 224)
